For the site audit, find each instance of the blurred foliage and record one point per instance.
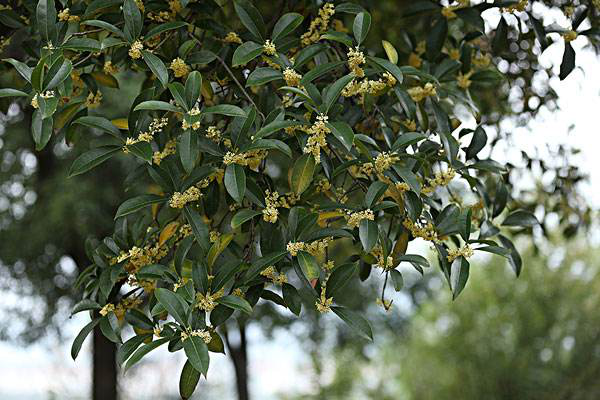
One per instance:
(534, 338)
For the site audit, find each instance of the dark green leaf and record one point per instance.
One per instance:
(361, 26)
(355, 321)
(520, 218)
(286, 24)
(91, 159)
(568, 61)
(78, 342)
(236, 303)
(459, 274)
(235, 182)
(157, 67)
(188, 380)
(251, 18)
(242, 216)
(197, 353)
(302, 173)
(368, 232)
(142, 351)
(137, 203)
(174, 304)
(309, 265)
(263, 75)
(245, 53)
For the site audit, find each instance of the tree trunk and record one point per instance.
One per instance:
(239, 358)
(104, 374)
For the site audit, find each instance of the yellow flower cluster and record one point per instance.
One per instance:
(466, 251)
(367, 86)
(275, 277)
(410, 125)
(201, 333)
(206, 302)
(64, 15)
(93, 100)
(140, 5)
(250, 158)
(46, 95)
(147, 285)
(269, 48)
(464, 80)
(402, 186)
(141, 256)
(520, 6)
(323, 185)
(135, 51)
(354, 218)
(384, 161)
(179, 200)
(108, 308)
(292, 78)
(270, 213)
(419, 93)
(414, 59)
(319, 25)
(316, 248)
(355, 59)
(324, 303)
(109, 68)
(180, 68)
(232, 37)
(481, 60)
(155, 127)
(126, 304)
(569, 36)
(448, 12)
(170, 148)
(317, 137)
(213, 133)
(426, 232)
(386, 304)
(441, 178)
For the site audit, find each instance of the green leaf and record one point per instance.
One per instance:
(250, 18)
(235, 182)
(174, 304)
(361, 26)
(236, 303)
(390, 51)
(514, 258)
(397, 279)
(193, 85)
(334, 91)
(500, 41)
(37, 75)
(355, 321)
(245, 53)
(319, 71)
(99, 123)
(521, 218)
(79, 339)
(263, 75)
(198, 226)
(350, 8)
(374, 193)
(340, 277)
(157, 105)
(142, 351)
(225, 109)
(197, 353)
(82, 44)
(188, 380)
(129, 347)
(568, 61)
(477, 144)
(286, 24)
(109, 326)
(459, 274)
(57, 75)
(84, 305)
(389, 67)
(414, 259)
(262, 263)
(178, 92)
(261, 144)
(309, 265)
(308, 53)
(273, 127)
(41, 130)
(242, 216)
(46, 20)
(188, 150)
(167, 26)
(343, 132)
(291, 298)
(436, 38)
(137, 203)
(104, 25)
(302, 173)
(368, 232)
(133, 20)
(157, 67)
(23, 69)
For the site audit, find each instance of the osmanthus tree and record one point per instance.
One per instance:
(275, 157)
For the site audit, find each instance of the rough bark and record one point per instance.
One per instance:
(104, 375)
(239, 357)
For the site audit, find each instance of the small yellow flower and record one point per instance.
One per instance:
(419, 93)
(107, 309)
(569, 36)
(179, 67)
(354, 218)
(324, 303)
(355, 59)
(93, 100)
(232, 37)
(463, 80)
(135, 51)
(109, 68)
(466, 251)
(292, 78)
(269, 48)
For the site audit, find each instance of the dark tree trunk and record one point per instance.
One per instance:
(239, 358)
(104, 374)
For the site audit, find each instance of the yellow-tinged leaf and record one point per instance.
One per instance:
(121, 123)
(391, 52)
(65, 115)
(217, 248)
(400, 246)
(168, 232)
(206, 91)
(105, 79)
(326, 215)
